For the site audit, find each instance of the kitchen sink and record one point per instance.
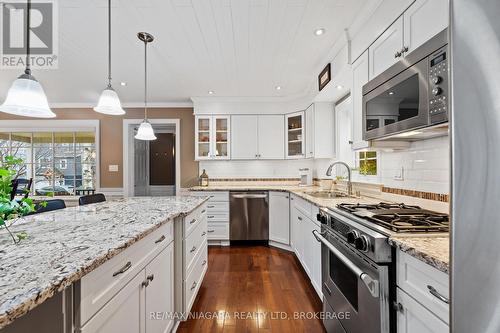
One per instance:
(327, 194)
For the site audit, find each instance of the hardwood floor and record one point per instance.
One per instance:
(254, 289)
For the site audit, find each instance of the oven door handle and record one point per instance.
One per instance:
(371, 284)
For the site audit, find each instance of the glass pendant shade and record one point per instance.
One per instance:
(27, 98)
(145, 132)
(109, 103)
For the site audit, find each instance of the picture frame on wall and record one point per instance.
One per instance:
(324, 77)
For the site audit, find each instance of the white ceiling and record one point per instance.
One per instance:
(233, 47)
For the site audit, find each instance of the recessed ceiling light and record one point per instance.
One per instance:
(319, 32)
(123, 84)
(210, 92)
(340, 87)
(391, 92)
(278, 88)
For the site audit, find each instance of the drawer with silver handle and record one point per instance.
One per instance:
(218, 231)
(195, 277)
(192, 220)
(96, 288)
(215, 196)
(217, 207)
(218, 217)
(193, 244)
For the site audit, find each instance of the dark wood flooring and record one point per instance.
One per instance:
(254, 289)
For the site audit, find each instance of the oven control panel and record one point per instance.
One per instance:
(438, 86)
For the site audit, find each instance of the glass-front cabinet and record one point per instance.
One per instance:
(212, 137)
(295, 140)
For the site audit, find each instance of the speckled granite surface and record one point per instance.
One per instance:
(65, 245)
(434, 251)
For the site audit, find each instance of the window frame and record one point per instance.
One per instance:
(359, 159)
(55, 126)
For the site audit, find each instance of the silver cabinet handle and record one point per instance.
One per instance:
(150, 277)
(210, 206)
(204, 263)
(123, 269)
(397, 54)
(203, 233)
(249, 196)
(300, 218)
(203, 211)
(161, 239)
(404, 49)
(192, 221)
(193, 249)
(210, 217)
(145, 283)
(436, 294)
(398, 307)
(210, 231)
(194, 285)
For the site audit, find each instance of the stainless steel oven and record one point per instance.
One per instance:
(410, 95)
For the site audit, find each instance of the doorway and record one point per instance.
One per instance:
(152, 168)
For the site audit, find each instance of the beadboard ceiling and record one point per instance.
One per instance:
(232, 47)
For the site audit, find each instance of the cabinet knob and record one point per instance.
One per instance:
(404, 49)
(398, 54)
(193, 249)
(144, 284)
(194, 285)
(150, 277)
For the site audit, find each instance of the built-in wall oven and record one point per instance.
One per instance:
(411, 95)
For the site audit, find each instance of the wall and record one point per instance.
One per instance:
(111, 139)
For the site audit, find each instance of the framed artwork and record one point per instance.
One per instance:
(324, 77)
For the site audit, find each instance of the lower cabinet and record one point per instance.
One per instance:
(279, 217)
(137, 306)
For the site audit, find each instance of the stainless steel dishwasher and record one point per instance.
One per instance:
(249, 216)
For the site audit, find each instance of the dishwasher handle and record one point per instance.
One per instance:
(249, 196)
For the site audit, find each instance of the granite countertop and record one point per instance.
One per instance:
(64, 245)
(434, 251)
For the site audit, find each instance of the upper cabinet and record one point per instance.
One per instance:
(423, 20)
(359, 78)
(320, 124)
(295, 140)
(309, 128)
(420, 22)
(257, 137)
(212, 137)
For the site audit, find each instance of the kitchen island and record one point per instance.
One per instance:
(64, 246)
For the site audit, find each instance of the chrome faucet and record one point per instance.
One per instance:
(349, 183)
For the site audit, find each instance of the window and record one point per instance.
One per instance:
(62, 163)
(367, 162)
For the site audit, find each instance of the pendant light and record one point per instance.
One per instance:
(145, 131)
(109, 102)
(26, 96)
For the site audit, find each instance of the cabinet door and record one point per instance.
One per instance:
(414, 318)
(160, 291)
(310, 128)
(271, 137)
(299, 235)
(294, 127)
(203, 139)
(244, 137)
(324, 130)
(279, 217)
(383, 50)
(423, 20)
(125, 312)
(307, 227)
(316, 261)
(359, 78)
(221, 131)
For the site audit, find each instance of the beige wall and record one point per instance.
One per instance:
(111, 132)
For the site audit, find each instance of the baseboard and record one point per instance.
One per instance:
(218, 243)
(280, 246)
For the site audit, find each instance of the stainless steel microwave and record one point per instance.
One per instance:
(410, 96)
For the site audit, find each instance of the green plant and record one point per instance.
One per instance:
(12, 209)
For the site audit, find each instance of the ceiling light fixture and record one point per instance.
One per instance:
(278, 87)
(319, 32)
(210, 92)
(26, 96)
(109, 102)
(145, 131)
(340, 87)
(123, 84)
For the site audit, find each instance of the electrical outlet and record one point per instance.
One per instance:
(399, 174)
(113, 168)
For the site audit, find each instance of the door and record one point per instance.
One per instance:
(141, 172)
(279, 217)
(271, 137)
(125, 312)
(309, 129)
(414, 318)
(244, 140)
(423, 20)
(162, 160)
(295, 135)
(220, 137)
(359, 78)
(203, 145)
(160, 290)
(383, 52)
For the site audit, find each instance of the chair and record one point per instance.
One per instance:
(53, 204)
(92, 198)
(21, 186)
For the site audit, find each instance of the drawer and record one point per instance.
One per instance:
(193, 244)
(195, 277)
(192, 220)
(302, 205)
(417, 278)
(215, 196)
(219, 231)
(214, 207)
(218, 217)
(100, 285)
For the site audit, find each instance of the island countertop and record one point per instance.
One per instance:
(64, 245)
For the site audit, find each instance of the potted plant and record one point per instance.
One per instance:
(10, 210)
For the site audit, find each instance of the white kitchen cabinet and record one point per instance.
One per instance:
(271, 137)
(217, 216)
(295, 140)
(359, 78)
(423, 20)
(212, 138)
(323, 130)
(297, 240)
(244, 137)
(383, 52)
(309, 129)
(414, 318)
(279, 217)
